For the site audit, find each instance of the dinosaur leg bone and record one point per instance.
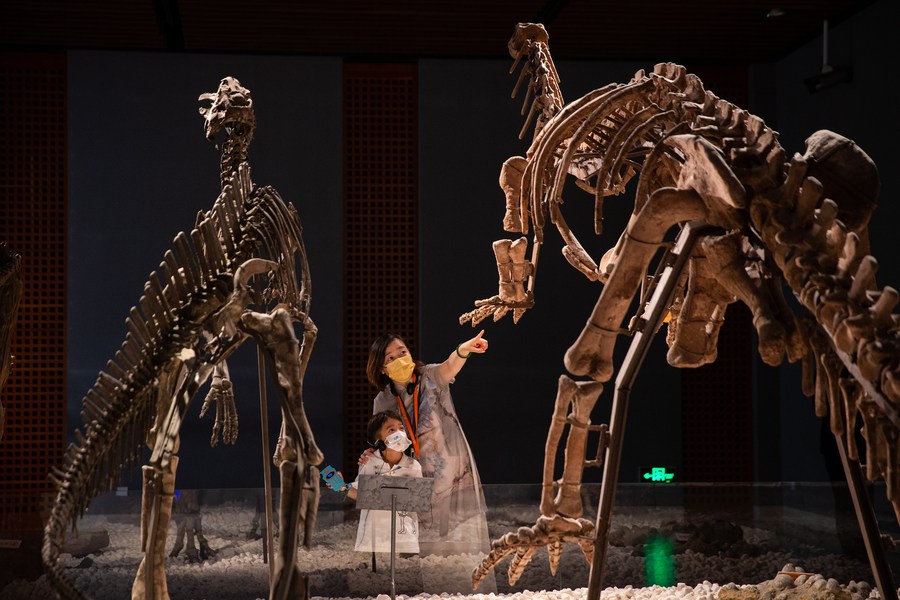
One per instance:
(156, 508)
(700, 316)
(581, 396)
(591, 354)
(221, 392)
(299, 453)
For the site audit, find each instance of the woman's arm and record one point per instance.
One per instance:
(450, 367)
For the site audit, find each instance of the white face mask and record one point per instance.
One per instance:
(397, 441)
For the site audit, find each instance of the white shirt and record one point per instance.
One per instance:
(374, 532)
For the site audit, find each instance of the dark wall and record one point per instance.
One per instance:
(859, 110)
(140, 170)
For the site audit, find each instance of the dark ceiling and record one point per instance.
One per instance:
(707, 31)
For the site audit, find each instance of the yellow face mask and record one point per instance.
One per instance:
(400, 369)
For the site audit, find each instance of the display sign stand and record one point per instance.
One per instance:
(409, 494)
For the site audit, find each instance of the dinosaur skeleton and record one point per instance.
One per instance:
(767, 221)
(198, 307)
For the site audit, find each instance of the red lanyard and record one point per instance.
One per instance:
(411, 428)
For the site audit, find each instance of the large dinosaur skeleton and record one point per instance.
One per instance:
(701, 164)
(197, 308)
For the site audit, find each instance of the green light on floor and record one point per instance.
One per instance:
(659, 562)
(656, 475)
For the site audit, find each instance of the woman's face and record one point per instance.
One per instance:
(394, 350)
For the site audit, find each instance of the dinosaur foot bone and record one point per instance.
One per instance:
(547, 531)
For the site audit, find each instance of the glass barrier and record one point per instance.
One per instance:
(660, 534)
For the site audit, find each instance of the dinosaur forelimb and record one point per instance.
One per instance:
(513, 269)
(221, 392)
(516, 218)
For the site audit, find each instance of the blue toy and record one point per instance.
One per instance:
(332, 478)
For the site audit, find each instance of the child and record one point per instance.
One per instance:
(393, 457)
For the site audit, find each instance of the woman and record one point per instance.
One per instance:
(457, 523)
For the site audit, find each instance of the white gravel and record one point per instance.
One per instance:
(336, 571)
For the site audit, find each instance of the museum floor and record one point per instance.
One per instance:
(715, 535)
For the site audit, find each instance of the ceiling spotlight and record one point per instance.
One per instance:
(774, 12)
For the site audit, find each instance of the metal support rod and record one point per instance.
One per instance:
(267, 471)
(653, 314)
(868, 524)
(393, 544)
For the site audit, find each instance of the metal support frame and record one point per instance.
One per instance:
(868, 524)
(653, 313)
(268, 539)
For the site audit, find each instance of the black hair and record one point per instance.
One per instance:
(375, 425)
(374, 428)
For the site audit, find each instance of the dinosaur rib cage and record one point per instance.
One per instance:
(194, 280)
(602, 137)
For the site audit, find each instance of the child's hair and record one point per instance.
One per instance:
(374, 428)
(376, 423)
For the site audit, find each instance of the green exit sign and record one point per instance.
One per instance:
(656, 475)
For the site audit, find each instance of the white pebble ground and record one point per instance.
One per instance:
(748, 566)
